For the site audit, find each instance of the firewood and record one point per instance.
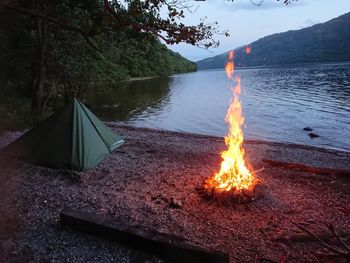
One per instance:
(308, 169)
(232, 197)
(164, 245)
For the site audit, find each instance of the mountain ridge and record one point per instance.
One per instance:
(323, 42)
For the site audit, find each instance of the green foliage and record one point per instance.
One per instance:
(17, 47)
(15, 109)
(72, 65)
(180, 65)
(147, 57)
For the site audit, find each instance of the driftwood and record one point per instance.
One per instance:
(304, 237)
(309, 169)
(340, 250)
(164, 245)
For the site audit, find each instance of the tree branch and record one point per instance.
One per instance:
(65, 26)
(323, 243)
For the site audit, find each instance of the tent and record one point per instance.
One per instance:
(72, 138)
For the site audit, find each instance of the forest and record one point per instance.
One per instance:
(45, 60)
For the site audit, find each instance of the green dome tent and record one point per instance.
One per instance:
(72, 138)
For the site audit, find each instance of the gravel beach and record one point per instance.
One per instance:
(139, 184)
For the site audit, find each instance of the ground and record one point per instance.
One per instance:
(138, 183)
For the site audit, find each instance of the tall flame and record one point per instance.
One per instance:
(233, 174)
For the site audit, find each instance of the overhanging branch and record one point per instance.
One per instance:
(65, 26)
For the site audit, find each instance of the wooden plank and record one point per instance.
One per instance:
(163, 245)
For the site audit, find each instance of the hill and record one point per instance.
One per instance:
(325, 42)
(179, 64)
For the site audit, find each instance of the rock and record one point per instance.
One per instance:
(308, 129)
(173, 203)
(313, 135)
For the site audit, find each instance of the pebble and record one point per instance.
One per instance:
(175, 203)
(185, 163)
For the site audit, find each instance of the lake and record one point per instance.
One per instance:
(278, 102)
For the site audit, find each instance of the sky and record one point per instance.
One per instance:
(247, 22)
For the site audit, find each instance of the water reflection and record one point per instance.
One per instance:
(131, 99)
(277, 102)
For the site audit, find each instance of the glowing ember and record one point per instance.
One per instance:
(234, 173)
(247, 50)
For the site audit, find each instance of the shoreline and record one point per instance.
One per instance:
(137, 183)
(139, 78)
(5, 132)
(221, 138)
(291, 65)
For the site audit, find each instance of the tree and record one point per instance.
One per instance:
(93, 21)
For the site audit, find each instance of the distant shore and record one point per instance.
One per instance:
(139, 78)
(286, 65)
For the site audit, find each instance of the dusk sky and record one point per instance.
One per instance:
(247, 22)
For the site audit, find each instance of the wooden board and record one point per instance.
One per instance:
(163, 245)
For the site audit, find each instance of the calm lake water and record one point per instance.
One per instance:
(278, 102)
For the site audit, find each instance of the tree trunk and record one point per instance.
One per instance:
(38, 96)
(50, 93)
(66, 93)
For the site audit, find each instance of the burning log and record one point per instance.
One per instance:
(233, 196)
(164, 245)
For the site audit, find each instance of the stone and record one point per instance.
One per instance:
(174, 203)
(313, 135)
(308, 129)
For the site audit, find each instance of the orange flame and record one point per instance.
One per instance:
(233, 174)
(247, 50)
(230, 67)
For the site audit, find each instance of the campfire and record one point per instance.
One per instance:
(235, 182)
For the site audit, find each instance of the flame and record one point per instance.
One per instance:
(247, 50)
(230, 67)
(234, 173)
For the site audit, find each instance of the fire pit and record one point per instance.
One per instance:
(234, 196)
(235, 182)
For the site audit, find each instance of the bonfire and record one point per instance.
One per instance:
(235, 181)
